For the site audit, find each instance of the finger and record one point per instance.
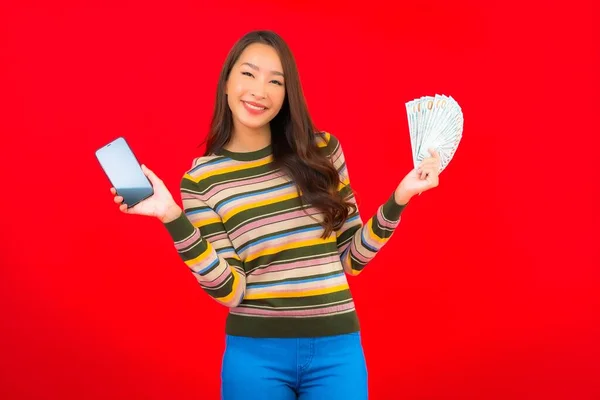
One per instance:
(151, 175)
(430, 173)
(113, 191)
(430, 170)
(430, 162)
(434, 153)
(123, 208)
(428, 167)
(433, 179)
(118, 199)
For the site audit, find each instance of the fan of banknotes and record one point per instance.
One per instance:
(434, 121)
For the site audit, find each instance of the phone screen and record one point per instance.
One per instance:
(124, 172)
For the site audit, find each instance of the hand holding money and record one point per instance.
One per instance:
(435, 125)
(420, 179)
(434, 121)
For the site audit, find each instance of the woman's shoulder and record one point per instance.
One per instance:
(326, 140)
(202, 167)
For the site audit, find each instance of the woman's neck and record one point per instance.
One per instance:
(247, 140)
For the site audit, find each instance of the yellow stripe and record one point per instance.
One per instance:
(202, 222)
(342, 185)
(233, 293)
(313, 292)
(372, 234)
(234, 168)
(200, 257)
(320, 143)
(245, 207)
(303, 243)
(349, 264)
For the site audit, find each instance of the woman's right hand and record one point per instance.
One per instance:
(160, 205)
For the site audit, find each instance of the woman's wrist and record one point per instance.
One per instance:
(171, 214)
(401, 198)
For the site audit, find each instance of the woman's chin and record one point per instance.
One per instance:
(255, 123)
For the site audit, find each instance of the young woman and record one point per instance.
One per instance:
(270, 228)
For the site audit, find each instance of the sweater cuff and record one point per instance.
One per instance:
(180, 228)
(392, 210)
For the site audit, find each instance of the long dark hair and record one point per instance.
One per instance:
(292, 135)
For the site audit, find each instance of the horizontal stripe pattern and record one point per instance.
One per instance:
(297, 313)
(254, 247)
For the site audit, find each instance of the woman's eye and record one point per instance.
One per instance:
(247, 73)
(277, 82)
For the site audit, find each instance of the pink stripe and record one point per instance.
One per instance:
(384, 222)
(188, 196)
(220, 236)
(357, 255)
(217, 188)
(219, 280)
(211, 168)
(344, 247)
(292, 265)
(256, 198)
(189, 241)
(276, 218)
(204, 262)
(295, 313)
(348, 225)
(339, 153)
(305, 286)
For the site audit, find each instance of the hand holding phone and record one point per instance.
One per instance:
(136, 188)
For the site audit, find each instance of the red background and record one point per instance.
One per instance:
(490, 286)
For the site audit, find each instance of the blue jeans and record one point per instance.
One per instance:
(323, 368)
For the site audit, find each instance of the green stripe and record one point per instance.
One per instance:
(291, 254)
(256, 212)
(293, 279)
(222, 291)
(348, 234)
(317, 257)
(272, 214)
(282, 232)
(248, 173)
(180, 228)
(212, 229)
(292, 327)
(342, 295)
(194, 250)
(251, 192)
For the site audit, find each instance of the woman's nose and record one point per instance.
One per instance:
(258, 89)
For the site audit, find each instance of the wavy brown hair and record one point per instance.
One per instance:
(292, 135)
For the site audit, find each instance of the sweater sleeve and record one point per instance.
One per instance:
(358, 242)
(204, 246)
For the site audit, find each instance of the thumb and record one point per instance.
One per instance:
(151, 175)
(433, 151)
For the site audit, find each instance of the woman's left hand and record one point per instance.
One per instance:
(421, 179)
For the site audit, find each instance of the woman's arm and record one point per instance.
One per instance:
(204, 245)
(358, 242)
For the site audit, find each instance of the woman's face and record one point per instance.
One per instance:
(256, 88)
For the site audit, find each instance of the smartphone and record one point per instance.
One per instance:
(124, 172)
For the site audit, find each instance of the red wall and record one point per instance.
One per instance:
(492, 279)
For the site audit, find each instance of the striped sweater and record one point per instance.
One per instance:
(256, 249)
